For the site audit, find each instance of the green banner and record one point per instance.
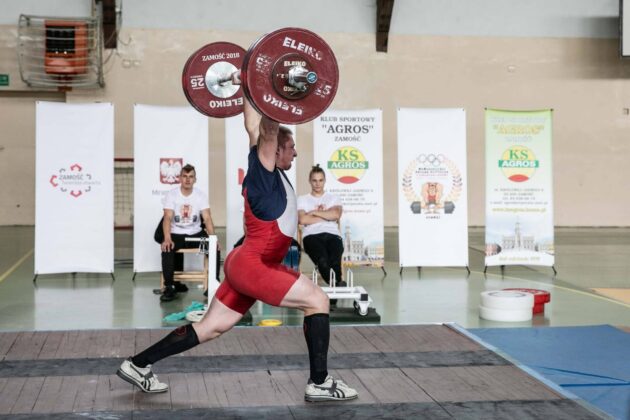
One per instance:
(519, 195)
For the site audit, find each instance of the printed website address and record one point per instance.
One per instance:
(519, 210)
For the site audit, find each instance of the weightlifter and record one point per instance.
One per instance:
(254, 271)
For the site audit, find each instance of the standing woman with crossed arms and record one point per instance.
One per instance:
(319, 212)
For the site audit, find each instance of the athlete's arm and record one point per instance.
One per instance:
(261, 131)
(252, 122)
(252, 117)
(268, 143)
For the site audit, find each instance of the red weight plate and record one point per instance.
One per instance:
(248, 54)
(206, 79)
(264, 73)
(540, 296)
(539, 308)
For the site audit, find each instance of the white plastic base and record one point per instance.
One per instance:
(507, 299)
(505, 315)
(362, 300)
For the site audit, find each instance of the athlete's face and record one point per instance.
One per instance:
(317, 182)
(285, 155)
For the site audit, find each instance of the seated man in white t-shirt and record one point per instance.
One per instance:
(184, 208)
(319, 213)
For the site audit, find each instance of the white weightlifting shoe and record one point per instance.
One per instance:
(143, 378)
(330, 390)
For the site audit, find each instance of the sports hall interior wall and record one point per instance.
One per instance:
(577, 72)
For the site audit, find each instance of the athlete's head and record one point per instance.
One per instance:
(286, 148)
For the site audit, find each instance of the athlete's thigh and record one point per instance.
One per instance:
(304, 294)
(218, 319)
(232, 298)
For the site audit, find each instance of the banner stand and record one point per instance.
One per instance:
(74, 188)
(432, 188)
(420, 269)
(348, 146)
(158, 161)
(519, 226)
(485, 268)
(74, 276)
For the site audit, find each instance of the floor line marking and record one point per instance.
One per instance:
(15, 266)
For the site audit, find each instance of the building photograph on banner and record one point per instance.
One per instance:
(236, 152)
(348, 145)
(165, 139)
(432, 187)
(74, 188)
(519, 194)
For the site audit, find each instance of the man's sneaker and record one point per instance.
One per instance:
(168, 294)
(330, 390)
(143, 378)
(180, 287)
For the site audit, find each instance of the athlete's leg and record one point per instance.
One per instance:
(306, 296)
(218, 319)
(313, 301)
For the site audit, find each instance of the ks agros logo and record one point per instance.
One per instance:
(348, 164)
(518, 163)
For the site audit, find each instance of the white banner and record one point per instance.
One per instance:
(519, 196)
(432, 187)
(348, 145)
(236, 152)
(74, 188)
(165, 139)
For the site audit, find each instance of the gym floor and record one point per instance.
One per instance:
(586, 259)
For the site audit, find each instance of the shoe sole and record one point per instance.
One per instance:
(324, 398)
(122, 375)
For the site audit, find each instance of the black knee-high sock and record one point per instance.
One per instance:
(179, 340)
(317, 334)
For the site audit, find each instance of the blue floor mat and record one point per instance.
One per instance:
(590, 362)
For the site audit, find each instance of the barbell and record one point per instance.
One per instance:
(290, 75)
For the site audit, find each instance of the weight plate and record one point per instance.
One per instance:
(206, 79)
(290, 75)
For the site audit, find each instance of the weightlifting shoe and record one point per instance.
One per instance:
(143, 378)
(330, 390)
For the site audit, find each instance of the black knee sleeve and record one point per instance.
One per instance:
(179, 340)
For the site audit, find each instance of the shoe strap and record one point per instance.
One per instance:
(147, 375)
